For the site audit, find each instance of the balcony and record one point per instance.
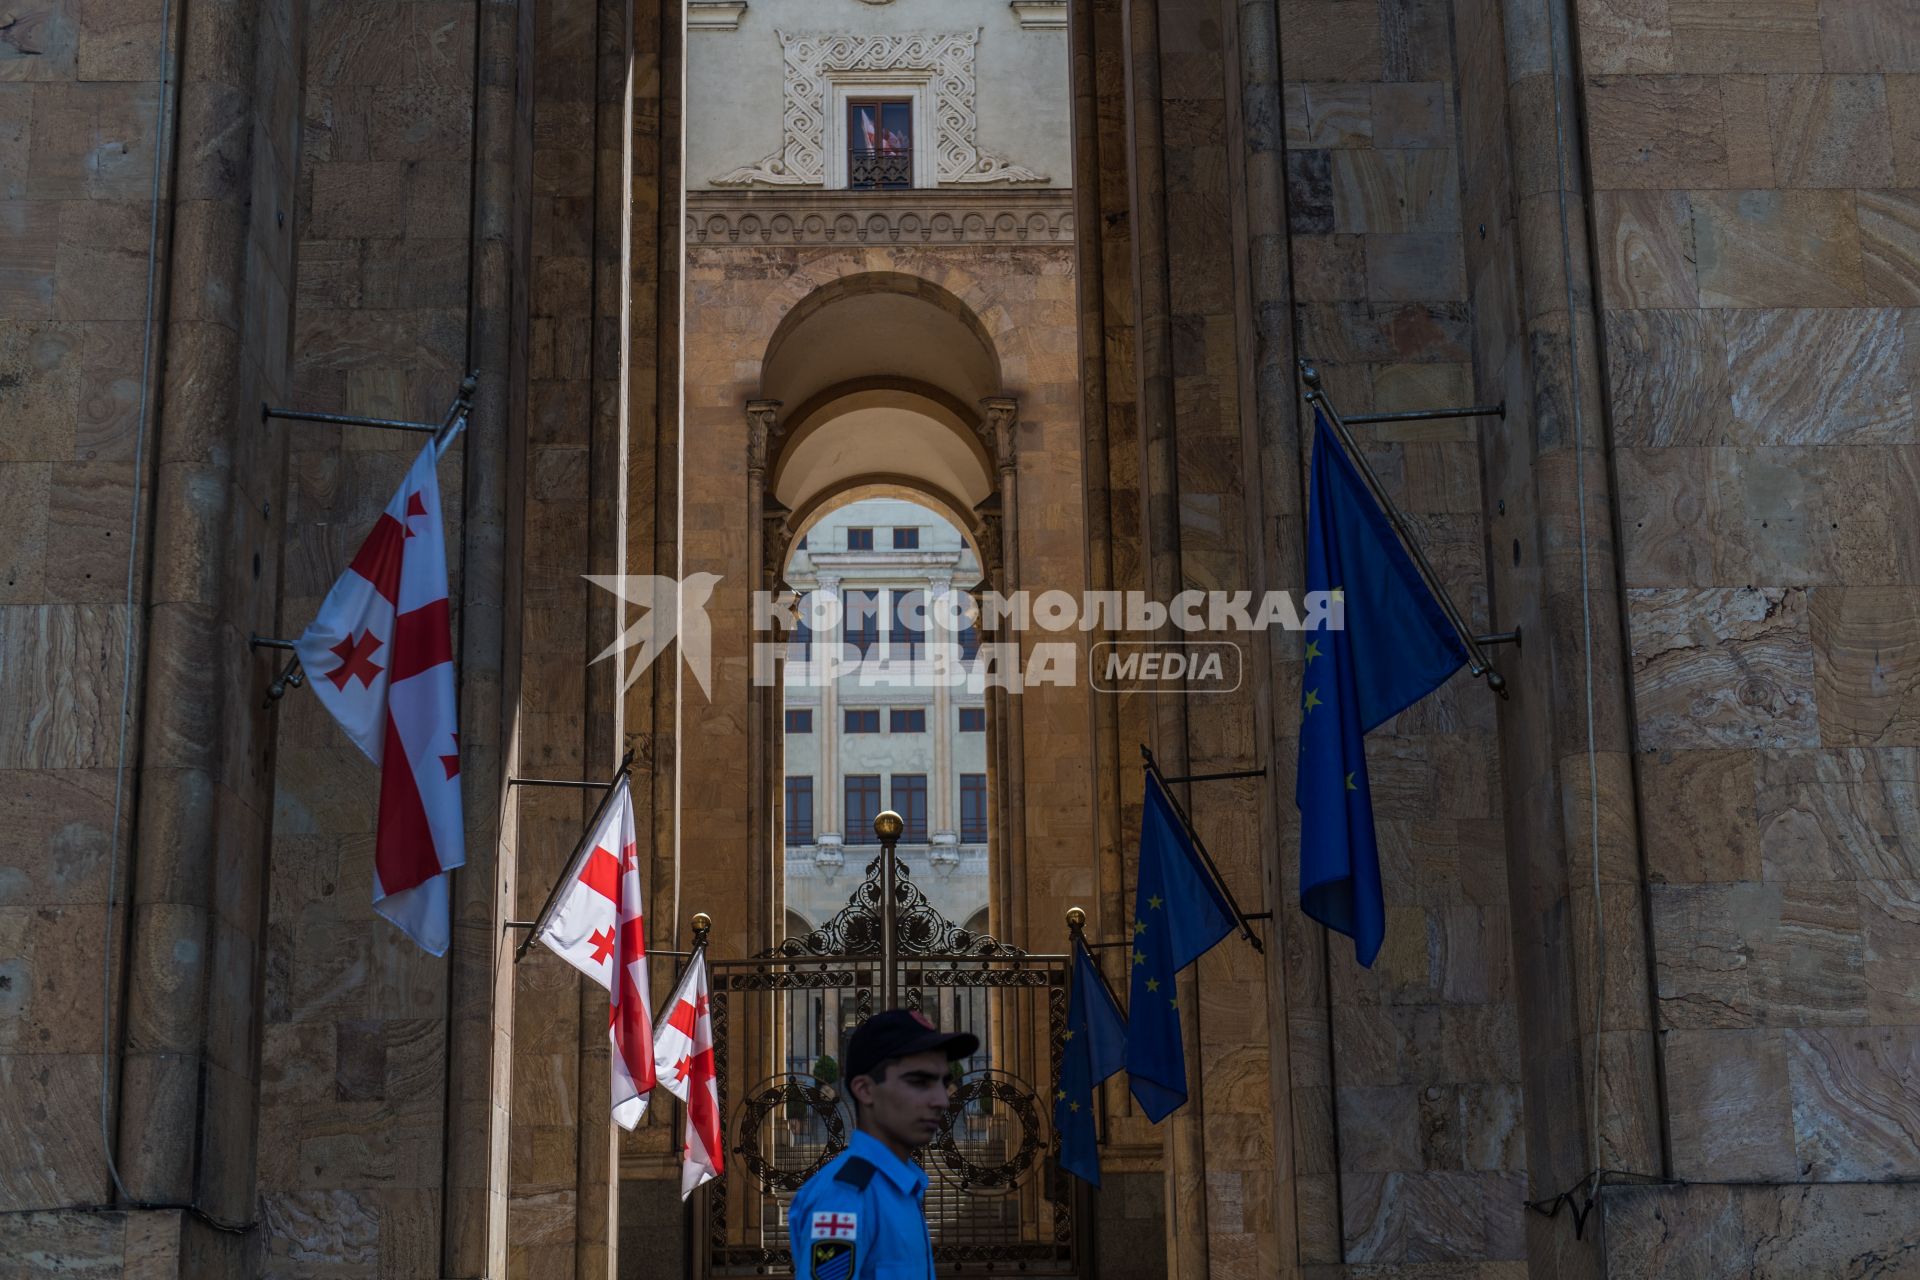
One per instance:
(880, 170)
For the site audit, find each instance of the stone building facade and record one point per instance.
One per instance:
(1653, 913)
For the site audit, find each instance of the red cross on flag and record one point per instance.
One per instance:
(683, 1060)
(595, 924)
(379, 655)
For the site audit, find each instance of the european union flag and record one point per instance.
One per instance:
(1096, 1048)
(1178, 913)
(1395, 648)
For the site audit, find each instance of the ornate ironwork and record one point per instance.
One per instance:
(1006, 1089)
(821, 1099)
(879, 170)
(919, 928)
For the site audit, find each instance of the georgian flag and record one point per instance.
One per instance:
(683, 1060)
(380, 657)
(596, 925)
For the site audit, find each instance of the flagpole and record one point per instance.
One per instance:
(1477, 663)
(1200, 847)
(553, 894)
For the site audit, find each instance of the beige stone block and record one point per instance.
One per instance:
(1626, 37)
(1890, 246)
(1903, 108)
(1848, 814)
(1655, 131)
(1410, 115)
(1725, 667)
(87, 507)
(1415, 268)
(1869, 35)
(29, 254)
(101, 265)
(1777, 248)
(1666, 513)
(1645, 248)
(1395, 191)
(1329, 268)
(1729, 1106)
(1856, 1117)
(1766, 35)
(1866, 650)
(1698, 816)
(1743, 101)
(1332, 40)
(1829, 131)
(64, 661)
(1814, 516)
(23, 531)
(1667, 375)
(1328, 115)
(1890, 919)
(40, 376)
(49, 1115)
(39, 43)
(1758, 955)
(1757, 1232)
(117, 39)
(1840, 376)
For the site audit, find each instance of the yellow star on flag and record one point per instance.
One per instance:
(1338, 593)
(1350, 785)
(1139, 957)
(1139, 927)
(1069, 1034)
(1154, 902)
(1313, 700)
(1153, 984)
(1060, 1095)
(1313, 651)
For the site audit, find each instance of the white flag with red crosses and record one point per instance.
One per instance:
(380, 657)
(596, 925)
(683, 1059)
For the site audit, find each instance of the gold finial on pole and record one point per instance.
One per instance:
(1076, 919)
(888, 825)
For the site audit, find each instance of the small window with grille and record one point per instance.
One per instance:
(879, 144)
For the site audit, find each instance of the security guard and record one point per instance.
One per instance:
(861, 1217)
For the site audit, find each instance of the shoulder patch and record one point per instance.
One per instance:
(856, 1173)
(833, 1226)
(831, 1260)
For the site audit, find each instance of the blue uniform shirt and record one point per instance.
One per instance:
(861, 1218)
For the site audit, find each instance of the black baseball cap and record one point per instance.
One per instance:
(901, 1033)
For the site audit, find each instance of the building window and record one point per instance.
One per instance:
(907, 720)
(802, 544)
(863, 619)
(907, 634)
(879, 144)
(800, 721)
(800, 640)
(969, 642)
(863, 806)
(910, 802)
(973, 808)
(972, 719)
(906, 539)
(862, 720)
(799, 809)
(859, 539)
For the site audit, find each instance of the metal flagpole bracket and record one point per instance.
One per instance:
(462, 404)
(1477, 663)
(1200, 847)
(291, 676)
(533, 926)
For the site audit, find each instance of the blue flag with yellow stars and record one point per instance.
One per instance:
(1096, 1048)
(1178, 913)
(1396, 647)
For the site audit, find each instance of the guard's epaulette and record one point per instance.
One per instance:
(856, 1173)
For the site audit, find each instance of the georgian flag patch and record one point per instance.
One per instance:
(834, 1226)
(832, 1260)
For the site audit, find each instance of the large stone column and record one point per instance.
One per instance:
(940, 792)
(999, 425)
(761, 428)
(829, 839)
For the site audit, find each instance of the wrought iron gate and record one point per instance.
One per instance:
(995, 1201)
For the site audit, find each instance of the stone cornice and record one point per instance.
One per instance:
(934, 216)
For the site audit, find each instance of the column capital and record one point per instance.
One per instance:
(997, 429)
(762, 426)
(829, 582)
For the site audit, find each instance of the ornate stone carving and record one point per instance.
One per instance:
(906, 217)
(1040, 15)
(761, 427)
(998, 425)
(715, 15)
(944, 59)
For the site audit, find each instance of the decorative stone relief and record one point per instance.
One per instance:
(944, 59)
(1040, 15)
(908, 217)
